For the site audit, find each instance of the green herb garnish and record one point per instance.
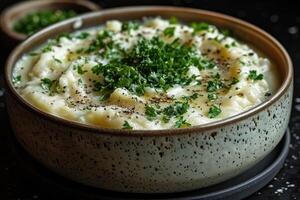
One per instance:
(16, 79)
(150, 63)
(213, 86)
(35, 21)
(80, 70)
(130, 25)
(46, 83)
(177, 109)
(199, 26)
(150, 112)
(181, 123)
(169, 31)
(83, 35)
(192, 97)
(214, 111)
(226, 32)
(212, 96)
(254, 76)
(48, 47)
(173, 20)
(126, 125)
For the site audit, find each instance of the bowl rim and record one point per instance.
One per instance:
(8, 12)
(160, 132)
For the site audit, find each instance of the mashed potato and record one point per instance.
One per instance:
(149, 74)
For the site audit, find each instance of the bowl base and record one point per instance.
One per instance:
(236, 188)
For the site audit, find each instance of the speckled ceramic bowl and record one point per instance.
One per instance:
(161, 160)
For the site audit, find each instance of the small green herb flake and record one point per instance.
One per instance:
(80, 70)
(212, 96)
(16, 79)
(126, 125)
(46, 83)
(130, 25)
(192, 97)
(173, 20)
(214, 111)
(169, 31)
(199, 26)
(226, 32)
(177, 109)
(83, 35)
(254, 76)
(213, 86)
(150, 112)
(47, 48)
(181, 123)
(97, 69)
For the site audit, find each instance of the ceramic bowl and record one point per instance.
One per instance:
(15, 12)
(154, 161)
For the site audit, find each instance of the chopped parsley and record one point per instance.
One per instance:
(205, 63)
(126, 125)
(212, 96)
(80, 70)
(150, 112)
(226, 32)
(213, 86)
(173, 20)
(214, 111)
(130, 25)
(177, 109)
(83, 35)
(16, 79)
(192, 97)
(254, 76)
(103, 41)
(169, 31)
(199, 26)
(181, 123)
(48, 47)
(46, 83)
(150, 63)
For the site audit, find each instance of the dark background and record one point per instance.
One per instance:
(280, 18)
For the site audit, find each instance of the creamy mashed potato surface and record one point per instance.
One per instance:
(149, 74)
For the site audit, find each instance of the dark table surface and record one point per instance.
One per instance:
(280, 18)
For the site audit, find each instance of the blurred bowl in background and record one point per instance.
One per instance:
(10, 15)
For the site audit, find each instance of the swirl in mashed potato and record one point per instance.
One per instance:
(149, 74)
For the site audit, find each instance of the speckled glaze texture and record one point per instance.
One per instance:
(151, 164)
